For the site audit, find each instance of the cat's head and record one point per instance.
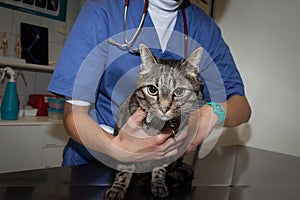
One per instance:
(168, 88)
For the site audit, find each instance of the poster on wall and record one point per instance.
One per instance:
(34, 41)
(55, 9)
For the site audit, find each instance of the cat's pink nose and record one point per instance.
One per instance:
(164, 109)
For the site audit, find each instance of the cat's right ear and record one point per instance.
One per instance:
(147, 58)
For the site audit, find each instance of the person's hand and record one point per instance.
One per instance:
(133, 144)
(201, 124)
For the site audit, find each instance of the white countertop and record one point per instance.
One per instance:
(24, 121)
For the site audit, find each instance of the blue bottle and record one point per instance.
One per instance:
(10, 101)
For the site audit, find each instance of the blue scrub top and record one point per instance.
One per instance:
(93, 70)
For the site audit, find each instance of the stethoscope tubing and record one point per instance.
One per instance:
(128, 44)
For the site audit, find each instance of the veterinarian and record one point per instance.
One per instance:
(98, 68)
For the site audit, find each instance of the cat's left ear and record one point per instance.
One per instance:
(191, 64)
(147, 58)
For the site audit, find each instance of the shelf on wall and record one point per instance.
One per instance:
(26, 66)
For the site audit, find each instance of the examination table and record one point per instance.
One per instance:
(226, 173)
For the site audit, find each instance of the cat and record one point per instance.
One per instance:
(167, 90)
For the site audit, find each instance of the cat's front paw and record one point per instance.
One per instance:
(160, 190)
(115, 194)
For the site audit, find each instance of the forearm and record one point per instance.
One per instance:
(238, 111)
(84, 130)
(203, 121)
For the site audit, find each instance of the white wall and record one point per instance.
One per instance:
(264, 36)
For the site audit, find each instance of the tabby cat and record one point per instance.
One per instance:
(168, 90)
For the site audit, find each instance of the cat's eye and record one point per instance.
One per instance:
(152, 90)
(179, 92)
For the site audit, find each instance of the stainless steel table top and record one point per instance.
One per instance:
(228, 173)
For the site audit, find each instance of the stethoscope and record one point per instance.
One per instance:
(128, 43)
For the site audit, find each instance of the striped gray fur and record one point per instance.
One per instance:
(167, 90)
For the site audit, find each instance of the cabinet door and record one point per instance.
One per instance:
(20, 148)
(54, 136)
(52, 157)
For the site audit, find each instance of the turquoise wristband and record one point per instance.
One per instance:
(219, 110)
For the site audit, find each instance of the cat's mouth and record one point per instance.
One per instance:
(164, 117)
(155, 124)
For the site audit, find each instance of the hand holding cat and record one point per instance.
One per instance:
(140, 146)
(201, 124)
